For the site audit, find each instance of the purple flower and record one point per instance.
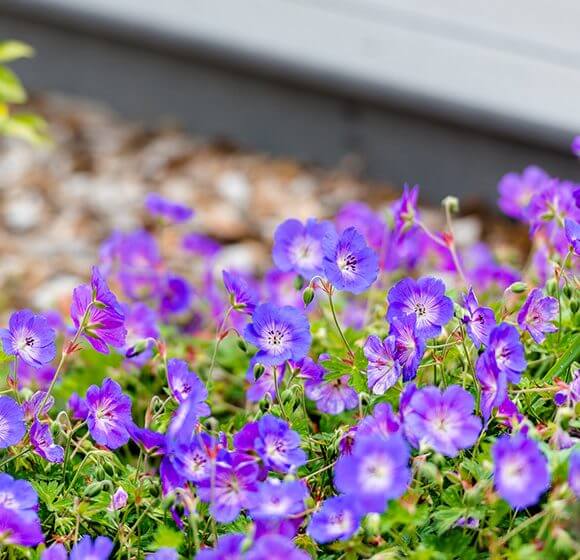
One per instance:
(165, 554)
(278, 446)
(19, 496)
(280, 333)
(383, 369)
(349, 263)
(185, 384)
(572, 230)
(41, 439)
(30, 338)
(575, 146)
(86, 548)
(176, 295)
(383, 423)
(277, 500)
(507, 352)
(56, 551)
(516, 191)
(426, 299)
(201, 245)
(160, 207)
(574, 473)
(19, 530)
(31, 407)
(118, 499)
(376, 471)
(570, 394)
(493, 385)
(33, 377)
(242, 297)
(336, 520)
(103, 317)
(279, 288)
(275, 547)
(479, 321)
(537, 314)
(229, 547)
(109, 414)
(142, 329)
(193, 459)
(405, 210)
(520, 472)
(235, 481)
(12, 426)
(78, 407)
(409, 345)
(298, 247)
(266, 383)
(442, 420)
(331, 396)
(366, 221)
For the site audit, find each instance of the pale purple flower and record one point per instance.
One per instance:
(570, 394)
(201, 245)
(242, 297)
(275, 547)
(278, 446)
(118, 499)
(277, 500)
(479, 321)
(516, 191)
(382, 423)
(12, 426)
(298, 247)
(442, 420)
(426, 299)
(31, 407)
(161, 207)
(185, 384)
(349, 263)
(142, 327)
(280, 288)
(409, 346)
(109, 414)
(34, 377)
(78, 407)
(56, 551)
(520, 473)
(493, 385)
(192, 458)
(176, 295)
(383, 368)
(165, 553)
(376, 471)
(19, 530)
(506, 352)
(43, 443)
(575, 146)
(19, 496)
(574, 473)
(360, 216)
(280, 333)
(229, 547)
(337, 520)
(572, 230)
(30, 338)
(537, 314)
(87, 549)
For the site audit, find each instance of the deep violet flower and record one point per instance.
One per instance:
(142, 327)
(228, 547)
(86, 548)
(278, 446)
(103, 316)
(349, 263)
(298, 247)
(43, 443)
(382, 423)
(426, 299)
(506, 352)
(479, 321)
(201, 245)
(241, 295)
(574, 473)
(516, 191)
(405, 210)
(19, 530)
(537, 314)
(185, 384)
(109, 414)
(570, 394)
(572, 230)
(30, 338)
(176, 295)
(442, 420)
(520, 473)
(280, 333)
(161, 207)
(409, 345)
(19, 496)
(575, 146)
(335, 520)
(78, 407)
(493, 385)
(235, 482)
(275, 547)
(277, 500)
(376, 471)
(331, 396)
(383, 368)
(12, 426)
(360, 216)
(192, 458)
(165, 553)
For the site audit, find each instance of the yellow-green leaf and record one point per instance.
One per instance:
(13, 50)
(11, 90)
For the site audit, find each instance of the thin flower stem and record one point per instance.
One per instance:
(523, 525)
(67, 450)
(278, 396)
(321, 470)
(333, 311)
(16, 393)
(218, 336)
(12, 457)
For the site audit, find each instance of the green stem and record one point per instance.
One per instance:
(523, 525)
(335, 318)
(12, 457)
(278, 396)
(218, 337)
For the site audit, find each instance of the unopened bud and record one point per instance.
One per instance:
(298, 283)
(518, 287)
(259, 370)
(451, 203)
(242, 345)
(308, 296)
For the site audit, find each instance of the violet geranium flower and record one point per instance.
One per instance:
(572, 231)
(185, 384)
(278, 500)
(349, 263)
(383, 368)
(275, 547)
(426, 299)
(493, 385)
(479, 321)
(336, 520)
(228, 546)
(99, 549)
(277, 445)
(442, 420)
(375, 472)
(520, 473)
(96, 310)
(516, 191)
(537, 314)
(29, 337)
(280, 333)
(507, 352)
(43, 443)
(19, 530)
(382, 423)
(160, 207)
(12, 426)
(409, 346)
(109, 414)
(18, 495)
(298, 247)
(574, 473)
(57, 551)
(241, 296)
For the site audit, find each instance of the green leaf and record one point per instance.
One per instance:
(168, 538)
(27, 127)
(13, 50)
(560, 368)
(11, 90)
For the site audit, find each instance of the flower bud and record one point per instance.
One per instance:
(518, 287)
(259, 370)
(451, 203)
(308, 296)
(298, 283)
(242, 345)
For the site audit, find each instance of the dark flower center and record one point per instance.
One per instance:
(274, 337)
(347, 263)
(420, 309)
(29, 341)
